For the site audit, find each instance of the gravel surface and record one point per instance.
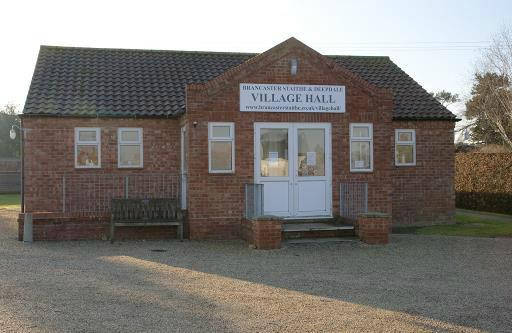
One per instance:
(416, 283)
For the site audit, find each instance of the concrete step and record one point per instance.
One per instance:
(316, 230)
(306, 241)
(309, 220)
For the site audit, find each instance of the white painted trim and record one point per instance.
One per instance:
(231, 139)
(361, 139)
(403, 143)
(97, 143)
(139, 142)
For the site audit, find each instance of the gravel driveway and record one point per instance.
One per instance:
(417, 283)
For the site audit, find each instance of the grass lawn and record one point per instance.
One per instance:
(10, 201)
(467, 225)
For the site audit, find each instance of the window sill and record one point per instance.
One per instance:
(361, 171)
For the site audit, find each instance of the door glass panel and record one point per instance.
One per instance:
(311, 152)
(274, 152)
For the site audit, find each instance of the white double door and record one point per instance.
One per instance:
(293, 161)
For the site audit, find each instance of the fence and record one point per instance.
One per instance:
(254, 200)
(92, 193)
(10, 182)
(353, 199)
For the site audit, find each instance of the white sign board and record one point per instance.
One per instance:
(255, 97)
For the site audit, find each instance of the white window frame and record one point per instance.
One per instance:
(139, 142)
(96, 142)
(369, 139)
(412, 142)
(231, 139)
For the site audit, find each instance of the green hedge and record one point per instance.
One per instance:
(484, 181)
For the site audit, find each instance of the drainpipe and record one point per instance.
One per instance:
(22, 165)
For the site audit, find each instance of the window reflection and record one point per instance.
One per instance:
(274, 152)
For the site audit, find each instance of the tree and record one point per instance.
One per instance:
(445, 97)
(490, 106)
(9, 117)
(485, 109)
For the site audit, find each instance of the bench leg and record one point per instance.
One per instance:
(180, 232)
(112, 233)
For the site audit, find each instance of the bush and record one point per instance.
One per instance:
(484, 181)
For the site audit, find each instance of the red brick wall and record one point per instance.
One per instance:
(263, 233)
(58, 226)
(49, 153)
(374, 229)
(424, 194)
(216, 201)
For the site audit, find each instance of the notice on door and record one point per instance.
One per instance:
(311, 158)
(256, 97)
(273, 157)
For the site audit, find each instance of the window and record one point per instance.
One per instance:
(361, 147)
(87, 147)
(129, 147)
(405, 147)
(221, 147)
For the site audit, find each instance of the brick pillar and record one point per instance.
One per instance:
(374, 228)
(263, 232)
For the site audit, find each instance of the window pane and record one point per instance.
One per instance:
(404, 136)
(221, 131)
(274, 152)
(87, 156)
(311, 154)
(127, 135)
(360, 132)
(84, 135)
(405, 154)
(360, 155)
(129, 155)
(220, 155)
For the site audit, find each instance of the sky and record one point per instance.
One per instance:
(438, 43)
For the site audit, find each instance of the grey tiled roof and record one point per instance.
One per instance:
(72, 81)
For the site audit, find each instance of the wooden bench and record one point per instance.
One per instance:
(145, 213)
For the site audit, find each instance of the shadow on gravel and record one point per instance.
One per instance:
(446, 280)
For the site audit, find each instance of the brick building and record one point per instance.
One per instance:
(100, 123)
